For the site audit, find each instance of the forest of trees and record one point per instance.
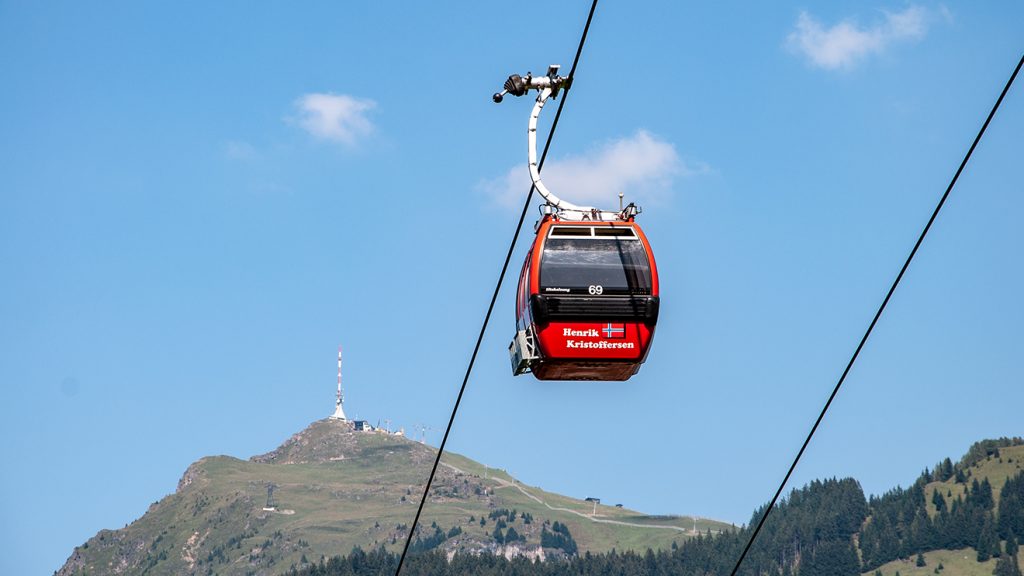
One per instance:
(813, 532)
(900, 525)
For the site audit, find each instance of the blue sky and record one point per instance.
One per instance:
(200, 202)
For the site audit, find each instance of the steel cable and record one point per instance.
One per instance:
(874, 320)
(497, 289)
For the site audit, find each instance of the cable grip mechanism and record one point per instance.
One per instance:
(517, 85)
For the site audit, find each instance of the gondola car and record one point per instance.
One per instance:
(587, 302)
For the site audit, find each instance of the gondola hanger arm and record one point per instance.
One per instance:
(548, 86)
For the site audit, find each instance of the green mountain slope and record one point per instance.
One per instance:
(957, 519)
(335, 488)
(986, 469)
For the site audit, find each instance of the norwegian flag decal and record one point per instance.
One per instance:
(614, 330)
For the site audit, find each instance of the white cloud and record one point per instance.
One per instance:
(641, 166)
(335, 117)
(846, 43)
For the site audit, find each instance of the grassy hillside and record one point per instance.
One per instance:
(335, 489)
(954, 563)
(826, 528)
(998, 469)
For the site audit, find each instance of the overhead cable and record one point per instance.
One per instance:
(878, 314)
(494, 296)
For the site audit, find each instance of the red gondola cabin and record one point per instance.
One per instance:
(587, 302)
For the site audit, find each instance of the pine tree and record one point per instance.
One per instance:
(938, 501)
(1007, 566)
(985, 495)
(986, 540)
(945, 471)
(1011, 506)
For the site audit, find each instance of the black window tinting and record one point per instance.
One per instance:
(618, 266)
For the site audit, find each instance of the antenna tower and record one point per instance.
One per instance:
(339, 410)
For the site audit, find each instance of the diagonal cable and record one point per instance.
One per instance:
(878, 315)
(497, 288)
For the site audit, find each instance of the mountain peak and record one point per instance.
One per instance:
(331, 440)
(335, 487)
(322, 441)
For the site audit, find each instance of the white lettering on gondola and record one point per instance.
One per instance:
(588, 333)
(576, 344)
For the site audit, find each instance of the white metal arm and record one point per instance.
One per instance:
(551, 199)
(548, 86)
